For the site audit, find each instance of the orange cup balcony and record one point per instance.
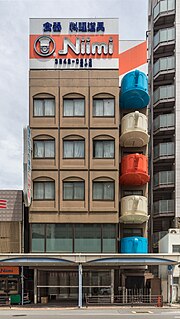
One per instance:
(134, 170)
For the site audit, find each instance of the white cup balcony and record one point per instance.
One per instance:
(134, 130)
(134, 209)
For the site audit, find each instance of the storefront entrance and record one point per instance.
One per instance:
(59, 285)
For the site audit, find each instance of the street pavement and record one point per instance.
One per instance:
(93, 313)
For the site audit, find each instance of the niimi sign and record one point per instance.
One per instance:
(74, 44)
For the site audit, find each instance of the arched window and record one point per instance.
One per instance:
(103, 147)
(103, 189)
(44, 105)
(103, 105)
(44, 189)
(73, 147)
(73, 105)
(44, 147)
(74, 189)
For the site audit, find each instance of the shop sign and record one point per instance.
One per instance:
(7, 270)
(67, 44)
(27, 167)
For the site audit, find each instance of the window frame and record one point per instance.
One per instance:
(44, 99)
(174, 246)
(73, 99)
(73, 140)
(103, 182)
(132, 192)
(43, 199)
(103, 99)
(72, 199)
(44, 141)
(103, 141)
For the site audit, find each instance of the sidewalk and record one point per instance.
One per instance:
(64, 307)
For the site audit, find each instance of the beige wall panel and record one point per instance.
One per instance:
(107, 74)
(74, 206)
(48, 74)
(106, 82)
(44, 122)
(73, 163)
(70, 217)
(45, 163)
(74, 82)
(44, 82)
(45, 205)
(75, 74)
(104, 163)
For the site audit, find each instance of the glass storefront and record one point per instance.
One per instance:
(90, 238)
(63, 285)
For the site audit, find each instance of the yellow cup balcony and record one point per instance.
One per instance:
(134, 209)
(134, 130)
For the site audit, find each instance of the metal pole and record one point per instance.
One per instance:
(35, 286)
(170, 283)
(80, 286)
(22, 285)
(171, 287)
(112, 285)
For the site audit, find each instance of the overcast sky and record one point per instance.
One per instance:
(14, 17)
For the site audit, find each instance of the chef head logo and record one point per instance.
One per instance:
(44, 46)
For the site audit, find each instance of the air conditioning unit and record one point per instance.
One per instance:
(174, 231)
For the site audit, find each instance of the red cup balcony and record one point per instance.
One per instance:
(134, 170)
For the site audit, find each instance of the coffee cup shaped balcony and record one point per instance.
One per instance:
(134, 91)
(134, 209)
(134, 245)
(134, 170)
(134, 130)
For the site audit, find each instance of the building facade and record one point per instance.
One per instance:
(164, 117)
(79, 157)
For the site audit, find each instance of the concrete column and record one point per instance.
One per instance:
(80, 286)
(35, 285)
(112, 285)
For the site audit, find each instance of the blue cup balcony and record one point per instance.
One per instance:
(134, 91)
(134, 245)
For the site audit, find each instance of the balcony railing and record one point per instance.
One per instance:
(164, 206)
(163, 6)
(164, 122)
(164, 64)
(164, 35)
(164, 92)
(164, 150)
(164, 178)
